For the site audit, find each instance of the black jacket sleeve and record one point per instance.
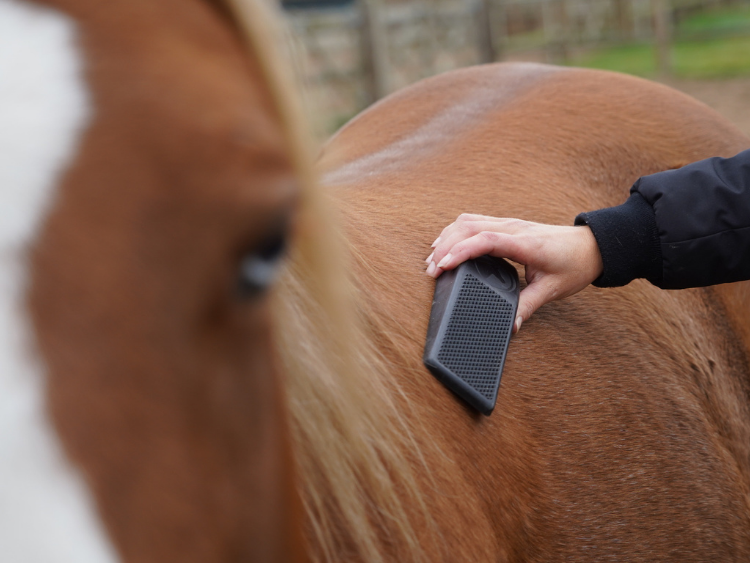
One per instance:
(681, 228)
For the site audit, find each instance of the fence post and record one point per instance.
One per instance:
(624, 16)
(487, 53)
(662, 14)
(500, 29)
(554, 25)
(375, 50)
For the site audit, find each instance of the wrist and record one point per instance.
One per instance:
(628, 240)
(592, 263)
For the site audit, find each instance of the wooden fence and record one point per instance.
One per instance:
(356, 53)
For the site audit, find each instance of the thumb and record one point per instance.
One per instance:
(532, 297)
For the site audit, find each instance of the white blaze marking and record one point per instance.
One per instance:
(46, 513)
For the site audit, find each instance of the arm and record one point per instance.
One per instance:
(680, 228)
(559, 261)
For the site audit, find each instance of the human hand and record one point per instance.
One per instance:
(559, 261)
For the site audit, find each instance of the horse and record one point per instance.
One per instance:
(622, 426)
(164, 402)
(149, 184)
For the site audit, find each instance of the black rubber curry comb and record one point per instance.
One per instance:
(471, 321)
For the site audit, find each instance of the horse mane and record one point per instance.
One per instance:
(358, 483)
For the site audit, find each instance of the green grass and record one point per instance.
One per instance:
(631, 59)
(727, 20)
(713, 58)
(708, 45)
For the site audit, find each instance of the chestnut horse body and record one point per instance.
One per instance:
(622, 428)
(145, 418)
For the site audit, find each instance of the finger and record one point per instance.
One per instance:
(502, 245)
(443, 234)
(433, 270)
(460, 231)
(475, 217)
(466, 218)
(532, 297)
(460, 219)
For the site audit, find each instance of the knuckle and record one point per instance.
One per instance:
(464, 229)
(475, 217)
(521, 240)
(489, 236)
(528, 308)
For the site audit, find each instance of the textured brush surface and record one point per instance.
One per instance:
(474, 343)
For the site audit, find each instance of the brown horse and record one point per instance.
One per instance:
(148, 183)
(163, 180)
(622, 429)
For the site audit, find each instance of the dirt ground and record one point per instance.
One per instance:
(730, 97)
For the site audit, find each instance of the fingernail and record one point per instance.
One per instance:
(519, 322)
(431, 269)
(437, 241)
(429, 258)
(444, 262)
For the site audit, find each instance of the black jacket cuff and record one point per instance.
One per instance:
(628, 240)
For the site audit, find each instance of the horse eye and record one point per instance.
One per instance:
(259, 267)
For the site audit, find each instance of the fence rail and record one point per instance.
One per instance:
(357, 53)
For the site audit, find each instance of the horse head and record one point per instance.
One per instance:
(149, 190)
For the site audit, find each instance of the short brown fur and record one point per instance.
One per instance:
(622, 430)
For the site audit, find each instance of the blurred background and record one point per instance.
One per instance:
(353, 52)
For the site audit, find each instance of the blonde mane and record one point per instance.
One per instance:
(357, 481)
